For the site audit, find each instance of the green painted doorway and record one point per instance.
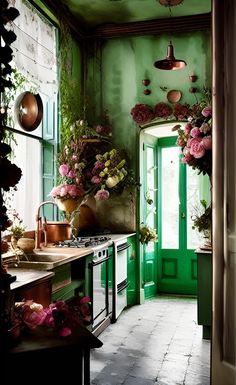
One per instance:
(178, 192)
(150, 217)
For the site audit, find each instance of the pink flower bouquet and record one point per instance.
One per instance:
(195, 140)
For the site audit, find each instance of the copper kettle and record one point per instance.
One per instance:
(57, 231)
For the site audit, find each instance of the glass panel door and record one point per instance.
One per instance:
(170, 198)
(177, 268)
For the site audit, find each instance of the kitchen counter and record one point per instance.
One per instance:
(119, 237)
(25, 277)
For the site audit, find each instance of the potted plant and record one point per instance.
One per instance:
(147, 234)
(202, 220)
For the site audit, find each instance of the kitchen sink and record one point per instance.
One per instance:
(42, 261)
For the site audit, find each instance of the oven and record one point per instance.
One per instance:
(98, 287)
(98, 278)
(120, 277)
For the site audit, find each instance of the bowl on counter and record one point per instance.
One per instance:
(26, 244)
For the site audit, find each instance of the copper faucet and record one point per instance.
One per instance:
(41, 226)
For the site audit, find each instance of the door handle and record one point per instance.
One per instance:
(183, 215)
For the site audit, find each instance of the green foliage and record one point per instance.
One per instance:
(71, 107)
(203, 218)
(147, 234)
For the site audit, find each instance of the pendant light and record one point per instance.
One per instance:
(170, 62)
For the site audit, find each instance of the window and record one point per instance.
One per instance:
(35, 57)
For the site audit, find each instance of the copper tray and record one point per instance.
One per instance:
(29, 110)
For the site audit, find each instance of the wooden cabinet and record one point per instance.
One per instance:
(32, 284)
(44, 356)
(204, 291)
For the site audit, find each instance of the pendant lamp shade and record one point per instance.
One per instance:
(170, 62)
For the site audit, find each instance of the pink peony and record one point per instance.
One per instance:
(195, 132)
(63, 169)
(162, 110)
(207, 111)
(66, 191)
(187, 158)
(95, 179)
(142, 113)
(85, 299)
(71, 174)
(99, 165)
(207, 142)
(181, 111)
(64, 331)
(196, 148)
(187, 128)
(102, 195)
(33, 314)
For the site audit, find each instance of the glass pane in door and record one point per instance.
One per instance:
(198, 188)
(170, 197)
(150, 213)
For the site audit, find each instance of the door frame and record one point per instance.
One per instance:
(224, 185)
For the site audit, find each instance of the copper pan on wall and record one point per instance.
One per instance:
(28, 110)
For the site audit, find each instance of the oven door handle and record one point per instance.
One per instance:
(92, 264)
(123, 287)
(122, 247)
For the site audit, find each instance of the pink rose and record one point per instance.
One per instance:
(63, 169)
(85, 299)
(207, 111)
(207, 142)
(142, 113)
(64, 332)
(162, 110)
(33, 314)
(196, 148)
(95, 179)
(195, 132)
(71, 174)
(188, 158)
(187, 128)
(102, 195)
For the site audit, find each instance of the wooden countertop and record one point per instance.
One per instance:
(25, 276)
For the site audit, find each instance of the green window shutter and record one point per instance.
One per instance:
(49, 148)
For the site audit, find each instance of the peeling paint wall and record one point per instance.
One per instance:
(125, 62)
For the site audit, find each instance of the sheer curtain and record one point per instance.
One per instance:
(35, 57)
(28, 195)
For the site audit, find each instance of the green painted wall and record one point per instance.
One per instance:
(116, 72)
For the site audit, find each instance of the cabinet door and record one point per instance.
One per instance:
(40, 293)
(132, 272)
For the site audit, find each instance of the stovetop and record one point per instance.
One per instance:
(79, 242)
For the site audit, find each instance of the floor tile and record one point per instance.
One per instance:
(157, 343)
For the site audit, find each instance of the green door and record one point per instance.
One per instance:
(177, 266)
(150, 218)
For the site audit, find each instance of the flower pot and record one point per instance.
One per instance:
(26, 244)
(67, 205)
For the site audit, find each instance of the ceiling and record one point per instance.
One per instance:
(93, 13)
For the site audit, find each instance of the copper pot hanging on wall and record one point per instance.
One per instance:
(28, 110)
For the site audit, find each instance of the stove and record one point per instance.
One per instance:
(79, 242)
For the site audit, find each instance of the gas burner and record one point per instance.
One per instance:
(79, 242)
